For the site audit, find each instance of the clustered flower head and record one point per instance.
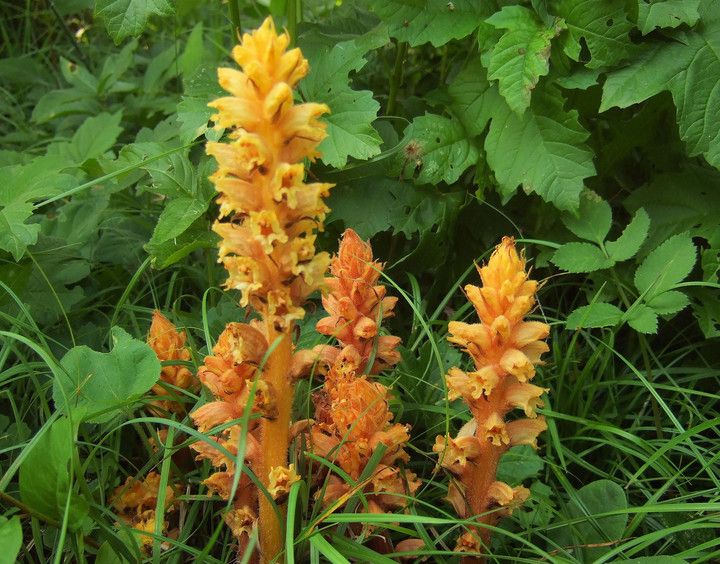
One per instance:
(168, 344)
(505, 350)
(267, 211)
(135, 504)
(351, 412)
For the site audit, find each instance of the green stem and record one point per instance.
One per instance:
(292, 19)
(234, 9)
(397, 78)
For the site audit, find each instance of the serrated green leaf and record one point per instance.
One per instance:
(581, 257)
(15, 234)
(172, 176)
(68, 101)
(197, 236)
(350, 130)
(194, 117)
(104, 382)
(706, 309)
(689, 71)
(666, 266)
(44, 477)
(545, 152)
(436, 21)
(597, 498)
(602, 25)
(472, 97)
(593, 219)
(643, 319)
(177, 216)
(125, 18)
(11, 539)
(95, 136)
(666, 13)
(668, 302)
(445, 150)
(521, 56)
(632, 238)
(598, 314)
(79, 77)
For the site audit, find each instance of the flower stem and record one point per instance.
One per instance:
(396, 78)
(292, 17)
(234, 9)
(275, 440)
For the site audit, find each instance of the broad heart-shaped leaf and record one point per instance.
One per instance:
(666, 13)
(632, 238)
(45, 479)
(643, 319)
(581, 257)
(545, 152)
(599, 314)
(690, 71)
(125, 18)
(666, 266)
(603, 25)
(446, 151)
(601, 496)
(350, 130)
(104, 382)
(593, 219)
(11, 539)
(436, 21)
(518, 464)
(522, 54)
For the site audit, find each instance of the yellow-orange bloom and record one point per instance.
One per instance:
(505, 350)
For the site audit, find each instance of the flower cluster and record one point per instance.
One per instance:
(168, 344)
(135, 503)
(267, 211)
(505, 350)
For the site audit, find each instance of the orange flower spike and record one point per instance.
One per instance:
(169, 344)
(505, 350)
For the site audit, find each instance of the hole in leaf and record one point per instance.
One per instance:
(609, 22)
(437, 140)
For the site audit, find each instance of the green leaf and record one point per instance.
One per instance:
(104, 382)
(197, 236)
(689, 70)
(666, 266)
(522, 54)
(706, 309)
(445, 149)
(436, 21)
(45, 479)
(632, 238)
(10, 539)
(668, 302)
(192, 56)
(598, 314)
(95, 136)
(68, 101)
(177, 216)
(643, 319)
(544, 152)
(603, 25)
(472, 97)
(518, 464)
(666, 13)
(593, 219)
(652, 560)
(581, 257)
(125, 18)
(15, 234)
(601, 496)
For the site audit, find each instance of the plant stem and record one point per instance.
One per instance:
(275, 440)
(292, 18)
(234, 9)
(396, 79)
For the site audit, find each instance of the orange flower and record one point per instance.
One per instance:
(505, 350)
(168, 344)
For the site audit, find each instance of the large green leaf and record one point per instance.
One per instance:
(45, 481)
(598, 314)
(666, 13)
(473, 97)
(350, 130)
(96, 135)
(545, 152)
(521, 56)
(444, 147)
(602, 25)
(690, 70)
(581, 257)
(436, 21)
(632, 238)
(11, 539)
(125, 18)
(104, 382)
(593, 219)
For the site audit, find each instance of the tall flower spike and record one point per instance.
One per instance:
(268, 215)
(505, 350)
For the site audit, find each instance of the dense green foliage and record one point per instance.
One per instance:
(587, 130)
